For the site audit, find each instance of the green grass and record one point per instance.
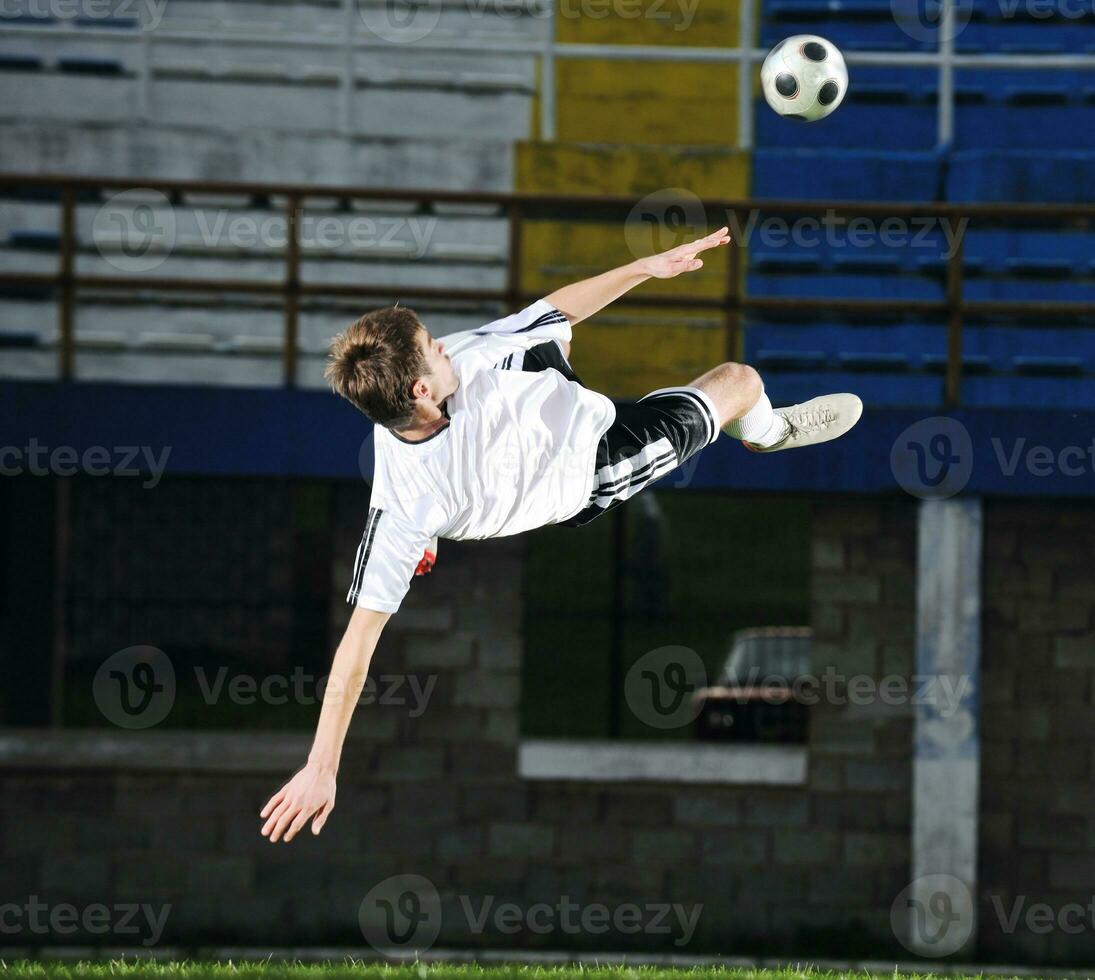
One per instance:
(354, 970)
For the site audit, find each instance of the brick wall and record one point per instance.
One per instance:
(1038, 722)
(784, 870)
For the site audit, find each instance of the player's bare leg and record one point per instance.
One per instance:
(745, 412)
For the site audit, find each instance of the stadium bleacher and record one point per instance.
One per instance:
(1007, 147)
(301, 124)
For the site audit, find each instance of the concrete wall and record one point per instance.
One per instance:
(1038, 718)
(157, 818)
(809, 867)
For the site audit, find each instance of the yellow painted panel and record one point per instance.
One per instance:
(679, 23)
(566, 168)
(559, 252)
(626, 358)
(661, 82)
(642, 102)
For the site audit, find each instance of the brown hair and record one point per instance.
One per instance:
(375, 362)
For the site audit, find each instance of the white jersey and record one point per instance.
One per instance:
(518, 453)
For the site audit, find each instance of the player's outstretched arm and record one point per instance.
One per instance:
(582, 299)
(310, 794)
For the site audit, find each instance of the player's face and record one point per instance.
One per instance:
(440, 376)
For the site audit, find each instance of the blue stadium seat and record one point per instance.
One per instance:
(910, 126)
(786, 263)
(1057, 176)
(867, 264)
(1048, 365)
(874, 361)
(1032, 253)
(790, 360)
(875, 33)
(1030, 290)
(971, 363)
(879, 390)
(845, 286)
(846, 174)
(936, 265)
(997, 391)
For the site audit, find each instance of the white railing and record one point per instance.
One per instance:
(354, 39)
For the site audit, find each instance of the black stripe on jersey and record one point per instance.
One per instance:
(624, 482)
(553, 316)
(363, 551)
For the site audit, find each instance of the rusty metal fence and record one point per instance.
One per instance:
(734, 303)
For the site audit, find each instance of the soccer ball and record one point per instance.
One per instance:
(804, 77)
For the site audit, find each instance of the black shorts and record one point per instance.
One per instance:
(649, 439)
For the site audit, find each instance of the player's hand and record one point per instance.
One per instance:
(309, 794)
(683, 258)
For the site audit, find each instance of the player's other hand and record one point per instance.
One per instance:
(683, 258)
(309, 794)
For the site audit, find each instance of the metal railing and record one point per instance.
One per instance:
(733, 303)
(355, 36)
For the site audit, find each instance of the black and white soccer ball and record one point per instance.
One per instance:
(804, 77)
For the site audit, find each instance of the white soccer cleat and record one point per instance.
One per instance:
(818, 420)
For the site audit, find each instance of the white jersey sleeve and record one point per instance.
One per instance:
(538, 322)
(386, 560)
(474, 350)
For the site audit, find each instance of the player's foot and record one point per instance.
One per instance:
(818, 420)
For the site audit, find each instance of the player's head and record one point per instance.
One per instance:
(387, 364)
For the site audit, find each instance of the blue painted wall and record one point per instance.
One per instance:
(281, 432)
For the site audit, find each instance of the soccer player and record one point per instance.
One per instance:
(491, 433)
